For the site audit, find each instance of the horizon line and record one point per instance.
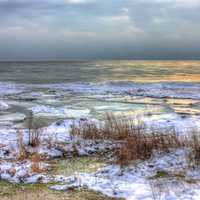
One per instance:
(102, 59)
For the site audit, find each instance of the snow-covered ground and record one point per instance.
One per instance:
(137, 181)
(163, 106)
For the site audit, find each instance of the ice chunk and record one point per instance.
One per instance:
(62, 112)
(3, 105)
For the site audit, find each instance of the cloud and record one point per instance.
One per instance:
(94, 28)
(125, 10)
(116, 20)
(78, 1)
(178, 3)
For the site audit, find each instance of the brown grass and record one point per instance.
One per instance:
(34, 132)
(141, 146)
(36, 164)
(193, 143)
(136, 143)
(112, 129)
(34, 138)
(23, 154)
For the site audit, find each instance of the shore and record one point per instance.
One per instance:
(44, 128)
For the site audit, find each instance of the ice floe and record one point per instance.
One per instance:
(10, 88)
(63, 112)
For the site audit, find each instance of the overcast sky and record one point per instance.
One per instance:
(95, 29)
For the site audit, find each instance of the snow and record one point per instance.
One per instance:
(135, 182)
(173, 122)
(132, 182)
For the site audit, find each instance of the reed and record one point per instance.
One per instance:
(137, 142)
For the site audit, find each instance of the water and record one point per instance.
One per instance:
(59, 90)
(98, 71)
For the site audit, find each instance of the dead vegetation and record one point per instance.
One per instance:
(23, 154)
(141, 147)
(34, 132)
(137, 141)
(192, 142)
(34, 142)
(36, 165)
(111, 128)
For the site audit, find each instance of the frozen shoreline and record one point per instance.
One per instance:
(130, 183)
(157, 90)
(69, 102)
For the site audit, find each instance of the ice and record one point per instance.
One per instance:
(157, 90)
(62, 112)
(13, 117)
(10, 88)
(3, 105)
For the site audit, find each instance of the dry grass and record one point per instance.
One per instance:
(136, 142)
(35, 158)
(193, 144)
(34, 132)
(141, 146)
(23, 154)
(23, 149)
(112, 129)
(41, 192)
(34, 138)
(36, 164)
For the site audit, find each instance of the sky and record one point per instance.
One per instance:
(99, 29)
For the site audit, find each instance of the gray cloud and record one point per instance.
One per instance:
(84, 29)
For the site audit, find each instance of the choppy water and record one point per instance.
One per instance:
(98, 71)
(57, 90)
